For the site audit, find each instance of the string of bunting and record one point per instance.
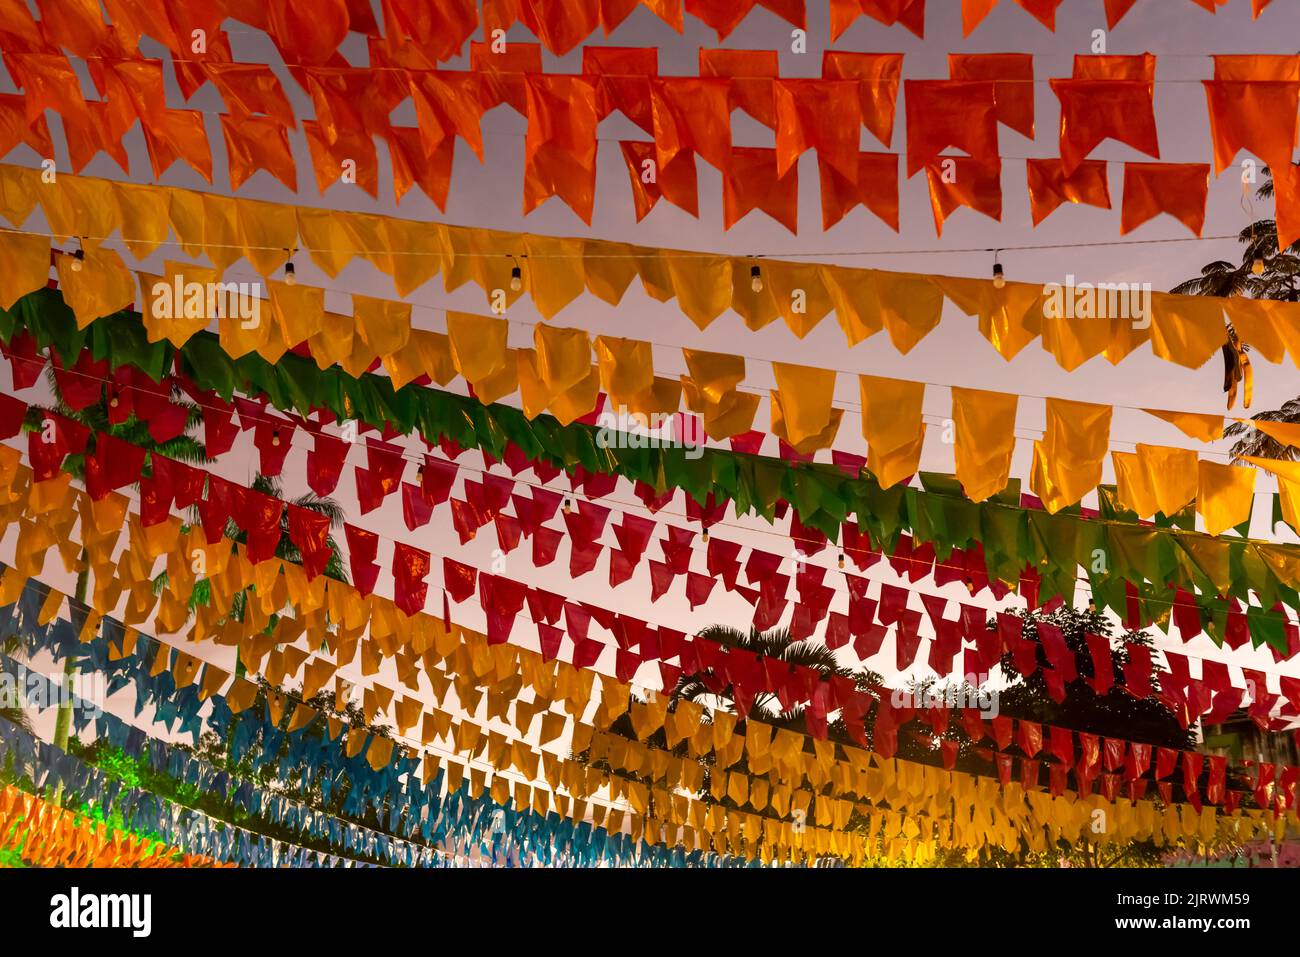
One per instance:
(559, 375)
(423, 34)
(1013, 538)
(46, 835)
(277, 600)
(689, 117)
(1198, 821)
(1183, 329)
(226, 502)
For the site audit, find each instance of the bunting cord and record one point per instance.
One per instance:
(1080, 586)
(662, 253)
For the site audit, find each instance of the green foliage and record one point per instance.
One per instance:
(1279, 280)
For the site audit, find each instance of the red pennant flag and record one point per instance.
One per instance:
(459, 580)
(114, 464)
(325, 464)
(436, 479)
(272, 437)
(219, 430)
(410, 566)
(309, 531)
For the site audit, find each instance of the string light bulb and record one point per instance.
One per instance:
(756, 278)
(999, 278)
(516, 276)
(290, 277)
(1257, 267)
(568, 505)
(78, 260)
(841, 560)
(275, 438)
(704, 536)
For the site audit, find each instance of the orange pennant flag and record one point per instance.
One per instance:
(349, 158)
(692, 114)
(258, 142)
(412, 166)
(1093, 111)
(961, 114)
(750, 181)
(1255, 115)
(1286, 203)
(751, 73)
(1179, 189)
(962, 181)
(878, 76)
(1049, 187)
(876, 188)
(562, 25)
(818, 114)
(560, 148)
(908, 13)
(676, 182)
(1013, 84)
(307, 33)
(1115, 10)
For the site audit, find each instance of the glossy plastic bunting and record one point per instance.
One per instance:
(1151, 563)
(907, 306)
(1107, 97)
